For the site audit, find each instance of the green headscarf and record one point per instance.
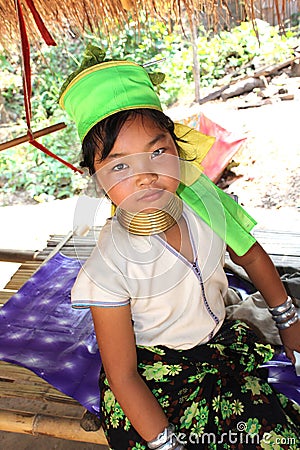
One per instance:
(105, 89)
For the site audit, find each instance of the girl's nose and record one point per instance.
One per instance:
(146, 178)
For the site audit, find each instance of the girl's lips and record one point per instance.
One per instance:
(152, 194)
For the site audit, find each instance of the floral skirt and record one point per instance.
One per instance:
(215, 394)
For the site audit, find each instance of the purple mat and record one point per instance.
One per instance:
(282, 376)
(40, 331)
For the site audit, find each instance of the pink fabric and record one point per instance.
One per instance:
(222, 151)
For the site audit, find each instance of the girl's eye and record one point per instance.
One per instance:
(157, 152)
(120, 166)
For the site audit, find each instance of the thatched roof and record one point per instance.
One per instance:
(64, 16)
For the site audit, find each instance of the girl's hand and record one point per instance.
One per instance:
(291, 340)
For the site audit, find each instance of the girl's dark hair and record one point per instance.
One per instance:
(104, 134)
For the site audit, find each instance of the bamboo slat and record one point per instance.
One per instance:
(47, 425)
(279, 242)
(283, 248)
(17, 381)
(11, 372)
(25, 271)
(5, 295)
(32, 392)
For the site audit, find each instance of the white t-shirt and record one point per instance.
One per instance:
(173, 302)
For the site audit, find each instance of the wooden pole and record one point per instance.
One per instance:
(46, 425)
(196, 65)
(36, 134)
(17, 256)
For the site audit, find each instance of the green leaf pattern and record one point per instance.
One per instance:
(204, 399)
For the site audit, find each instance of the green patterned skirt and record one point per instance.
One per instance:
(216, 395)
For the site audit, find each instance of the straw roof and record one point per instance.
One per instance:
(67, 16)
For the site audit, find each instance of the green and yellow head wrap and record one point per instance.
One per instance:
(105, 89)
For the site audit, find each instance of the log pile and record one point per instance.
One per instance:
(264, 86)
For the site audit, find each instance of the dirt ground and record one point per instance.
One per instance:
(268, 187)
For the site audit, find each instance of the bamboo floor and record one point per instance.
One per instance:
(19, 383)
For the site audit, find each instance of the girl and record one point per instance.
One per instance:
(176, 374)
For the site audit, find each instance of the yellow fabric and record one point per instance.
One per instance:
(195, 145)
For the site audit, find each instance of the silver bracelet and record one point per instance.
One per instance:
(162, 437)
(288, 324)
(284, 317)
(283, 308)
(166, 440)
(171, 446)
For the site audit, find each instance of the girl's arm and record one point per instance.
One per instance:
(117, 346)
(265, 278)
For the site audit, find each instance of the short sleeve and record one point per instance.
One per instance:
(100, 282)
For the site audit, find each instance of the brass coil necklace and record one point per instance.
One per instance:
(146, 224)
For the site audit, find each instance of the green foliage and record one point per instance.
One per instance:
(221, 56)
(238, 52)
(27, 168)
